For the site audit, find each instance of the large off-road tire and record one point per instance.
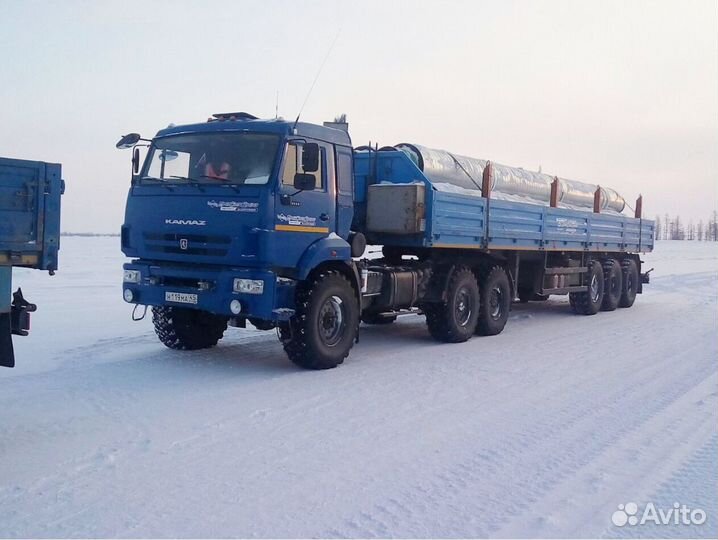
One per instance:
(187, 329)
(495, 301)
(454, 321)
(630, 283)
(612, 284)
(325, 325)
(589, 302)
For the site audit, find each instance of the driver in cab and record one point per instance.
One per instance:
(215, 168)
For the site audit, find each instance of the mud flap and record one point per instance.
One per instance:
(7, 353)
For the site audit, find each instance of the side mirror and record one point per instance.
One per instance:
(128, 141)
(136, 161)
(310, 157)
(305, 182)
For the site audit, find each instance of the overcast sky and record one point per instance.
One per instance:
(624, 94)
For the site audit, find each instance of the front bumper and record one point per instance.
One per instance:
(210, 290)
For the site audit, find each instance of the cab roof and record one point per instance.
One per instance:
(227, 122)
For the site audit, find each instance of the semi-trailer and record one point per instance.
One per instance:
(241, 220)
(29, 238)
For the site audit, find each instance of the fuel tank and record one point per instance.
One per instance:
(445, 170)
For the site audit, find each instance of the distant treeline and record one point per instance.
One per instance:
(674, 228)
(87, 234)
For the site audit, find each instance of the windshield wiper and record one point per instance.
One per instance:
(191, 181)
(225, 182)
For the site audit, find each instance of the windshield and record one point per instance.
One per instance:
(212, 158)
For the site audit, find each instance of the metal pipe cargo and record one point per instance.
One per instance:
(442, 167)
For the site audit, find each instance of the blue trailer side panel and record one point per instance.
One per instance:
(30, 213)
(456, 219)
(565, 230)
(515, 225)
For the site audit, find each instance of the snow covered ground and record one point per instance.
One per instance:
(541, 431)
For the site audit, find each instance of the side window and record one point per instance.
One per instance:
(291, 166)
(344, 170)
(328, 159)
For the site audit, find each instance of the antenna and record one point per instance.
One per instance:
(276, 107)
(319, 72)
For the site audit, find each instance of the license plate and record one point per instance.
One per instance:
(181, 298)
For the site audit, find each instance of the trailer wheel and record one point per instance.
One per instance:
(495, 301)
(187, 329)
(325, 324)
(589, 302)
(630, 283)
(612, 285)
(454, 321)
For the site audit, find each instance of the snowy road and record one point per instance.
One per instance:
(541, 431)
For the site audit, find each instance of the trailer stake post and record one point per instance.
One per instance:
(554, 192)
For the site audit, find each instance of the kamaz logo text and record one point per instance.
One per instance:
(195, 222)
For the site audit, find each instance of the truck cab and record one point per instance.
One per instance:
(225, 217)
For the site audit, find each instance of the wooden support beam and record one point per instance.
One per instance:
(639, 206)
(597, 200)
(486, 180)
(554, 192)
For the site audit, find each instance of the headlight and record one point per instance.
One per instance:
(132, 276)
(249, 286)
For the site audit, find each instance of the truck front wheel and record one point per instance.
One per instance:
(187, 329)
(325, 324)
(454, 321)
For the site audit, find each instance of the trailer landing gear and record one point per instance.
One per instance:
(16, 321)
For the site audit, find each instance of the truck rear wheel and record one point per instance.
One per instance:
(454, 321)
(495, 301)
(325, 325)
(612, 285)
(589, 302)
(187, 329)
(630, 283)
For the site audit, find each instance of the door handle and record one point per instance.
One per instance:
(324, 217)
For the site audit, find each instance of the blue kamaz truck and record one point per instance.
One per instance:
(241, 220)
(29, 237)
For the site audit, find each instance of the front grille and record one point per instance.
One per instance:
(187, 244)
